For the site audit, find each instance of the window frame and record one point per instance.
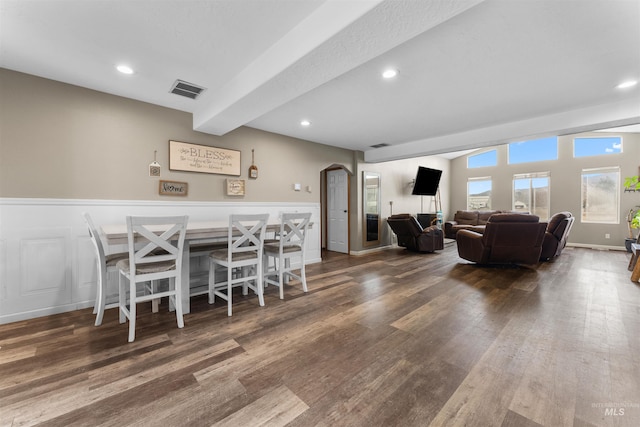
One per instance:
(591, 171)
(531, 176)
(495, 151)
(619, 137)
(480, 179)
(512, 144)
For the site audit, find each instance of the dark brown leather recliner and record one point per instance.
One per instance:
(556, 235)
(413, 237)
(507, 239)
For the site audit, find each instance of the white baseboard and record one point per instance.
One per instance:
(26, 315)
(597, 247)
(372, 250)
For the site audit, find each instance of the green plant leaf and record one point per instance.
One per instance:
(635, 220)
(632, 182)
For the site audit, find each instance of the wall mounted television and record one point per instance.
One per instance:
(426, 182)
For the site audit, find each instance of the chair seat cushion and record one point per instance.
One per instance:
(207, 247)
(223, 255)
(274, 248)
(152, 267)
(112, 260)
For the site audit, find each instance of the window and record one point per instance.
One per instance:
(597, 146)
(534, 150)
(488, 158)
(531, 193)
(479, 193)
(600, 201)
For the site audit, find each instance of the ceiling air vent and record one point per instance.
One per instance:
(380, 145)
(187, 89)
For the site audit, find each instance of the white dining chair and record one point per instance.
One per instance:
(155, 252)
(242, 258)
(105, 264)
(291, 243)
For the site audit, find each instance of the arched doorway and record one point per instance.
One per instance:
(336, 201)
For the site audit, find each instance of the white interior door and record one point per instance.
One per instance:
(337, 211)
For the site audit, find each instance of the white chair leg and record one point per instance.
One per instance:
(155, 303)
(265, 270)
(122, 299)
(229, 293)
(177, 285)
(132, 310)
(281, 274)
(98, 293)
(303, 277)
(287, 269)
(244, 272)
(98, 308)
(260, 283)
(212, 282)
(95, 305)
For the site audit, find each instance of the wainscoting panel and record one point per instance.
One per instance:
(45, 267)
(86, 270)
(47, 261)
(3, 271)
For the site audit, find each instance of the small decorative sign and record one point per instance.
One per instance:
(174, 188)
(203, 158)
(235, 187)
(154, 168)
(253, 169)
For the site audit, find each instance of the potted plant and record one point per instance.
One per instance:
(631, 184)
(633, 222)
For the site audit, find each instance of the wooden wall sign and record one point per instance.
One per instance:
(235, 187)
(188, 157)
(253, 169)
(173, 188)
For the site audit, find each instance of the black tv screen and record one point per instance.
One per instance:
(426, 182)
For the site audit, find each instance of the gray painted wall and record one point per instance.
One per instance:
(565, 184)
(63, 141)
(396, 185)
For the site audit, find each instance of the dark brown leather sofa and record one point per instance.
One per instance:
(469, 220)
(413, 237)
(556, 235)
(508, 238)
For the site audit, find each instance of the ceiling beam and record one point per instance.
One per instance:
(338, 37)
(622, 113)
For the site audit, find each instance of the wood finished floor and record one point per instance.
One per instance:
(386, 339)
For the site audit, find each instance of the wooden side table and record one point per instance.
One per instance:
(634, 265)
(634, 256)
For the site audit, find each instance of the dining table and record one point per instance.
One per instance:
(197, 232)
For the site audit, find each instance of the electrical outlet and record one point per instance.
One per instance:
(607, 236)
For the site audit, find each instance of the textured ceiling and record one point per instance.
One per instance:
(471, 73)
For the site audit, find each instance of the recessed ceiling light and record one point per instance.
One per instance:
(628, 83)
(124, 69)
(305, 123)
(390, 73)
